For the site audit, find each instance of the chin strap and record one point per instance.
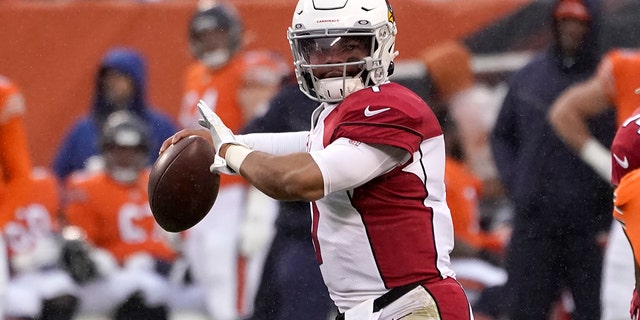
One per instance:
(336, 89)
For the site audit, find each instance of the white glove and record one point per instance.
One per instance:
(220, 135)
(256, 231)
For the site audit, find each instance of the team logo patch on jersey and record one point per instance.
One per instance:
(624, 162)
(370, 113)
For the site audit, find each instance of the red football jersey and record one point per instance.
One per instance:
(625, 149)
(116, 217)
(396, 228)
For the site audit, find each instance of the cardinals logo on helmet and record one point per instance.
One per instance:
(390, 12)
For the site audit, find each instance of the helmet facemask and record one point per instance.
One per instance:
(373, 69)
(125, 164)
(124, 145)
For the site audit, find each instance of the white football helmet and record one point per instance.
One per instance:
(323, 23)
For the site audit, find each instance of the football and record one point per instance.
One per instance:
(181, 188)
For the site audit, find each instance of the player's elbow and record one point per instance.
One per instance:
(558, 112)
(301, 186)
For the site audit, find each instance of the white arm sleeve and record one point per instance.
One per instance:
(365, 162)
(276, 143)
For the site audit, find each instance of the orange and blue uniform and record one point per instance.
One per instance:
(116, 217)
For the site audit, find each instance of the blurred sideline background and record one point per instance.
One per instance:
(51, 48)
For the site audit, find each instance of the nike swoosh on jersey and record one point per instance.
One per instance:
(371, 113)
(624, 163)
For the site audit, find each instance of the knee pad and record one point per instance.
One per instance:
(59, 308)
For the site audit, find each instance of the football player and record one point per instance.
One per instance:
(131, 252)
(372, 166)
(626, 176)
(612, 87)
(215, 247)
(37, 287)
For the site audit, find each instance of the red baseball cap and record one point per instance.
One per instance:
(572, 9)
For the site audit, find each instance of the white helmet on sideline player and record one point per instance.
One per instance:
(319, 24)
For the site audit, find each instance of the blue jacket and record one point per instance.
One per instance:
(549, 185)
(81, 141)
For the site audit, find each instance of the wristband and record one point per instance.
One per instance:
(598, 157)
(235, 156)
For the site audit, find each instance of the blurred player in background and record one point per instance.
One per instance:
(478, 253)
(612, 87)
(131, 253)
(228, 247)
(29, 204)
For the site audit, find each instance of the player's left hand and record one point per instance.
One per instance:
(220, 134)
(634, 311)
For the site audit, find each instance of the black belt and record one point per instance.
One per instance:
(389, 297)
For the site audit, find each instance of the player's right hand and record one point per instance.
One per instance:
(219, 165)
(220, 135)
(185, 133)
